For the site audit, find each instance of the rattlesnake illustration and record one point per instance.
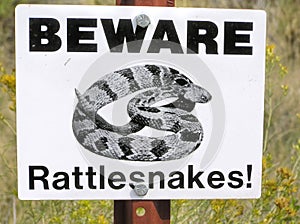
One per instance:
(121, 142)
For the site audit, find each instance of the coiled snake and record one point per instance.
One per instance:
(120, 142)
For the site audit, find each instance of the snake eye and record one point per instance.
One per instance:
(181, 82)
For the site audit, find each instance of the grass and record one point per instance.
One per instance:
(281, 166)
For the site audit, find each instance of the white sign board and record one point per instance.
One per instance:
(139, 102)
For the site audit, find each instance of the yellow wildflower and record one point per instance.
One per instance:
(297, 145)
(102, 220)
(270, 49)
(283, 70)
(284, 172)
(239, 210)
(271, 184)
(291, 212)
(180, 202)
(285, 89)
(281, 202)
(217, 205)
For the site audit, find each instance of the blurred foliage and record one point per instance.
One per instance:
(8, 83)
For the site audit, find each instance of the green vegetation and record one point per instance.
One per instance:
(281, 162)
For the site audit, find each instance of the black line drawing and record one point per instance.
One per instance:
(120, 142)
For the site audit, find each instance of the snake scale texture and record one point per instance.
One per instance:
(149, 85)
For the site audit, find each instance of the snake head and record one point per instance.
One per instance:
(197, 94)
(191, 91)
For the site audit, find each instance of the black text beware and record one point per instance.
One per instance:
(80, 36)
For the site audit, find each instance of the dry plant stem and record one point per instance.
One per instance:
(6, 163)
(8, 125)
(270, 112)
(267, 128)
(295, 167)
(14, 210)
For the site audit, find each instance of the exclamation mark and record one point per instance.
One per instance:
(249, 172)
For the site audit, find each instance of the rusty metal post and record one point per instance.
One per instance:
(152, 211)
(142, 212)
(169, 3)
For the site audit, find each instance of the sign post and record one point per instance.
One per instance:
(155, 211)
(169, 3)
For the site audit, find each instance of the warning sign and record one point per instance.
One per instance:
(139, 102)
